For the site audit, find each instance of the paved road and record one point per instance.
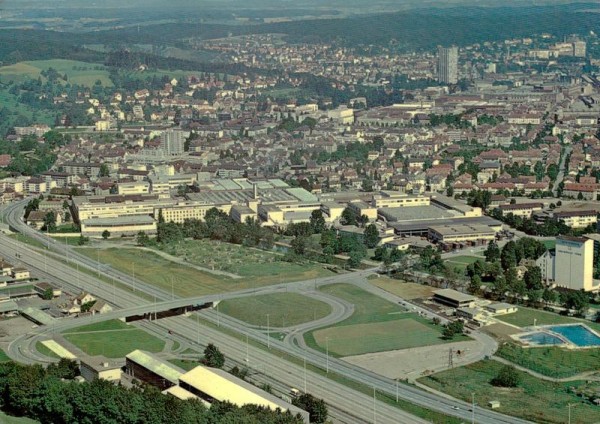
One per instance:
(341, 397)
(561, 170)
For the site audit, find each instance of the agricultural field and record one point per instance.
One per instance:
(113, 339)
(535, 400)
(284, 309)
(551, 361)
(189, 281)
(377, 325)
(403, 289)
(243, 261)
(81, 73)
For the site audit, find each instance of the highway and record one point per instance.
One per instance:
(358, 405)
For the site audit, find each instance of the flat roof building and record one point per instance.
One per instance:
(151, 369)
(460, 233)
(454, 298)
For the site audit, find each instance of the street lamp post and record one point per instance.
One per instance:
(327, 353)
(268, 331)
(472, 408)
(305, 370)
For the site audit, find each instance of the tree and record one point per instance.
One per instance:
(508, 257)
(213, 357)
(82, 240)
(49, 222)
(104, 170)
(475, 285)
(316, 408)
(142, 239)
(452, 329)
(299, 245)
(105, 234)
(533, 278)
(577, 300)
(349, 217)
(48, 294)
(371, 236)
(508, 376)
(492, 253)
(355, 258)
(317, 221)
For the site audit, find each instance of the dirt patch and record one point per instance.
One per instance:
(415, 362)
(403, 289)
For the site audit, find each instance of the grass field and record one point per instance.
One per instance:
(377, 325)
(524, 318)
(4, 357)
(284, 309)
(11, 102)
(7, 419)
(45, 351)
(188, 281)
(403, 289)
(551, 361)
(113, 339)
(242, 261)
(535, 400)
(185, 364)
(461, 262)
(550, 244)
(81, 73)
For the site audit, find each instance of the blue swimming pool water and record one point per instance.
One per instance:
(541, 338)
(579, 335)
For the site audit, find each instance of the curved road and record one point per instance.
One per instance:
(361, 406)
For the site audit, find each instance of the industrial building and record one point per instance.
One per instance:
(461, 233)
(151, 369)
(213, 384)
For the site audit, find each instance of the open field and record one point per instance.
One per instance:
(187, 281)
(358, 339)
(524, 318)
(11, 102)
(551, 361)
(377, 325)
(535, 400)
(242, 261)
(403, 289)
(461, 262)
(81, 73)
(284, 309)
(113, 339)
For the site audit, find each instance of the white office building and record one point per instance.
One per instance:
(172, 141)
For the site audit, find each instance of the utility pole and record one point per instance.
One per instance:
(374, 406)
(397, 390)
(133, 276)
(247, 358)
(305, 370)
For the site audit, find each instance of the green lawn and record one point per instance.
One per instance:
(535, 400)
(461, 262)
(7, 419)
(552, 361)
(113, 339)
(524, 318)
(81, 73)
(377, 325)
(41, 348)
(185, 364)
(284, 309)
(4, 357)
(187, 281)
(550, 244)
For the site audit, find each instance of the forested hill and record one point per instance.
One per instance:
(415, 30)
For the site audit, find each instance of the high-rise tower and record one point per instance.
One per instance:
(448, 65)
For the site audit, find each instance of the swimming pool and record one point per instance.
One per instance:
(578, 334)
(541, 338)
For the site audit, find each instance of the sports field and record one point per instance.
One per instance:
(188, 281)
(81, 73)
(535, 400)
(113, 339)
(284, 309)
